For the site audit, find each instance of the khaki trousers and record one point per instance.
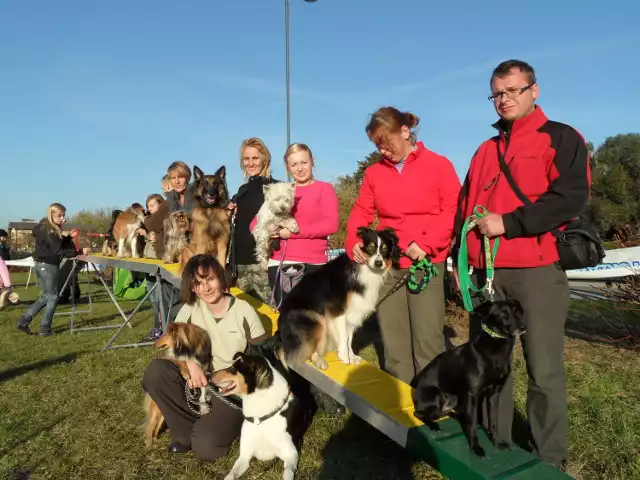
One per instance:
(412, 325)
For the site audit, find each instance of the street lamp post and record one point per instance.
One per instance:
(286, 26)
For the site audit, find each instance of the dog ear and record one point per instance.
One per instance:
(362, 232)
(390, 235)
(483, 310)
(197, 173)
(221, 172)
(265, 189)
(238, 357)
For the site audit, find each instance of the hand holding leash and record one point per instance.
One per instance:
(197, 377)
(414, 252)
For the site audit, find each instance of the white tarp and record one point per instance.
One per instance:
(620, 262)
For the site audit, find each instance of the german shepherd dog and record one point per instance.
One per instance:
(182, 342)
(210, 219)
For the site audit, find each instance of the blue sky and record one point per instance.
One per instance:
(98, 98)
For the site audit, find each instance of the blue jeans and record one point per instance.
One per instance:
(47, 276)
(170, 300)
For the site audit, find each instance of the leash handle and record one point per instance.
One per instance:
(464, 274)
(429, 271)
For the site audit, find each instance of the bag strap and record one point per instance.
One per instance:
(514, 186)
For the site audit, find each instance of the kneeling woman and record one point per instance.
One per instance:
(232, 324)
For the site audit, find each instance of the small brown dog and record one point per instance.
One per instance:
(181, 342)
(175, 227)
(210, 219)
(125, 230)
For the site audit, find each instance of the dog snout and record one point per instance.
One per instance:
(378, 263)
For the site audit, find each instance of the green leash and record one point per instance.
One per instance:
(429, 270)
(464, 275)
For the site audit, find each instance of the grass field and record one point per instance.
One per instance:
(68, 411)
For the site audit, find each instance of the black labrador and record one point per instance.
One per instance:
(460, 379)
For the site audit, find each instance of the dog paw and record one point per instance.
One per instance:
(355, 359)
(320, 363)
(230, 477)
(502, 446)
(479, 451)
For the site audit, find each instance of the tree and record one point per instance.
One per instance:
(98, 220)
(347, 189)
(616, 183)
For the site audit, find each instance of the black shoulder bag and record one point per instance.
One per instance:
(579, 245)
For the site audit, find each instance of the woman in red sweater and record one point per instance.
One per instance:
(413, 191)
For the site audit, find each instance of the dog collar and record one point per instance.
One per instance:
(259, 420)
(492, 333)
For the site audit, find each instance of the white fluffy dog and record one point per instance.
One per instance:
(274, 214)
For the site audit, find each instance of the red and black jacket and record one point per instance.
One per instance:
(549, 161)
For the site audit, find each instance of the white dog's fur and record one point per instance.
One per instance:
(268, 439)
(131, 240)
(274, 214)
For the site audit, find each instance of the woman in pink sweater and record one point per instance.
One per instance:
(316, 212)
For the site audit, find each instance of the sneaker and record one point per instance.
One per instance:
(46, 334)
(153, 335)
(24, 328)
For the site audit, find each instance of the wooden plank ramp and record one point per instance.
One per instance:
(385, 403)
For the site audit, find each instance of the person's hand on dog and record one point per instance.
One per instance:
(231, 206)
(197, 377)
(491, 225)
(284, 234)
(358, 254)
(414, 252)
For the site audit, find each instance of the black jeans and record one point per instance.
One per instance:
(208, 436)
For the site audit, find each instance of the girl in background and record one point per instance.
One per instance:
(51, 247)
(5, 283)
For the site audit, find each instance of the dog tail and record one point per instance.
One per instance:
(300, 336)
(278, 350)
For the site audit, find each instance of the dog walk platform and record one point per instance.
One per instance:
(375, 396)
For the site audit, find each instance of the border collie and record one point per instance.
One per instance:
(275, 419)
(322, 312)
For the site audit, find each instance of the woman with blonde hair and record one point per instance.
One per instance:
(52, 245)
(255, 162)
(315, 210)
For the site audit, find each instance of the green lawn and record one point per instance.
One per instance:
(69, 411)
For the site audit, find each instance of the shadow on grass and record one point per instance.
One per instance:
(18, 371)
(16, 443)
(361, 451)
(605, 323)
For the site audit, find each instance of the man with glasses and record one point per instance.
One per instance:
(549, 163)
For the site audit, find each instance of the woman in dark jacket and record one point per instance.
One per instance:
(52, 245)
(255, 161)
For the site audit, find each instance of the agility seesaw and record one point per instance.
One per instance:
(380, 399)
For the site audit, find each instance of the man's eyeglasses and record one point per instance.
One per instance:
(512, 92)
